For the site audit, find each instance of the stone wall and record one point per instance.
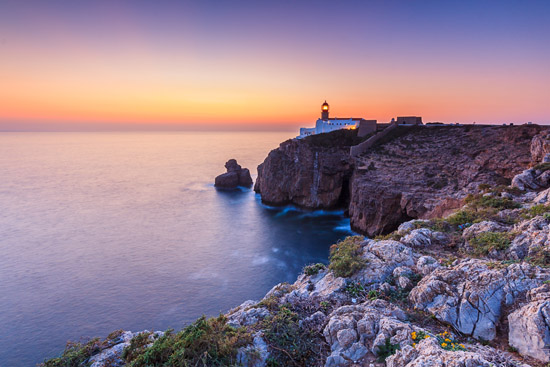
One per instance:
(364, 146)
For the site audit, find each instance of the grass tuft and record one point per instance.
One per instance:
(345, 257)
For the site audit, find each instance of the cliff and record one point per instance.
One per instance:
(414, 172)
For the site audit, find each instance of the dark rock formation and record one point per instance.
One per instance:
(235, 176)
(414, 172)
(312, 173)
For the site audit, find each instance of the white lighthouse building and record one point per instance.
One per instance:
(326, 124)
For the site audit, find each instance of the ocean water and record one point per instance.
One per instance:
(106, 231)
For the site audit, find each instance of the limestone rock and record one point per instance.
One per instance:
(382, 258)
(254, 355)
(408, 226)
(235, 176)
(354, 331)
(246, 315)
(112, 356)
(542, 197)
(428, 353)
(427, 264)
(471, 296)
(540, 146)
(529, 330)
(534, 234)
(485, 226)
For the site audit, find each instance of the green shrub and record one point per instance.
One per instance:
(137, 346)
(462, 217)
(387, 349)
(539, 256)
(485, 242)
(495, 202)
(542, 167)
(484, 187)
(77, 354)
(355, 289)
(206, 342)
(314, 269)
(289, 344)
(345, 257)
(539, 209)
(390, 236)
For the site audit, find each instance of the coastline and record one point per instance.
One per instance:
(452, 288)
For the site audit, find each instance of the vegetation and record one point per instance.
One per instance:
(137, 346)
(447, 342)
(387, 349)
(345, 257)
(290, 344)
(355, 289)
(206, 342)
(401, 295)
(486, 242)
(539, 256)
(77, 354)
(490, 201)
(536, 210)
(314, 269)
(390, 236)
(542, 167)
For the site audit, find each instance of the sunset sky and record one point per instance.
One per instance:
(270, 64)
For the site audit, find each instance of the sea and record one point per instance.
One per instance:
(125, 230)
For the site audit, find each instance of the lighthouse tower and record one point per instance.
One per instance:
(324, 111)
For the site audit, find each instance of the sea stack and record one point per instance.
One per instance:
(235, 176)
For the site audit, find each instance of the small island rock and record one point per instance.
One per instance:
(235, 176)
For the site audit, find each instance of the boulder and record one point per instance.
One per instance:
(529, 330)
(254, 355)
(471, 297)
(357, 330)
(235, 176)
(485, 226)
(540, 146)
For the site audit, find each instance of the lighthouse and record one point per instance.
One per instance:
(324, 111)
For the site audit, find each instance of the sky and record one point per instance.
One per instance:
(270, 64)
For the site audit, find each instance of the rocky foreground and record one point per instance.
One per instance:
(468, 289)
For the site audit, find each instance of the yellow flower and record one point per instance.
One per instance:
(443, 345)
(448, 340)
(414, 345)
(413, 334)
(462, 345)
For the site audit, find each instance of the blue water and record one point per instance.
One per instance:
(105, 231)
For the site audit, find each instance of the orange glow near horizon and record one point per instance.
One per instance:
(225, 74)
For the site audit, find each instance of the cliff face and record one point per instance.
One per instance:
(416, 172)
(311, 173)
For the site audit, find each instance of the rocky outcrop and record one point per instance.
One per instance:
(419, 172)
(471, 296)
(308, 173)
(530, 326)
(540, 146)
(428, 352)
(355, 331)
(235, 176)
(112, 355)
